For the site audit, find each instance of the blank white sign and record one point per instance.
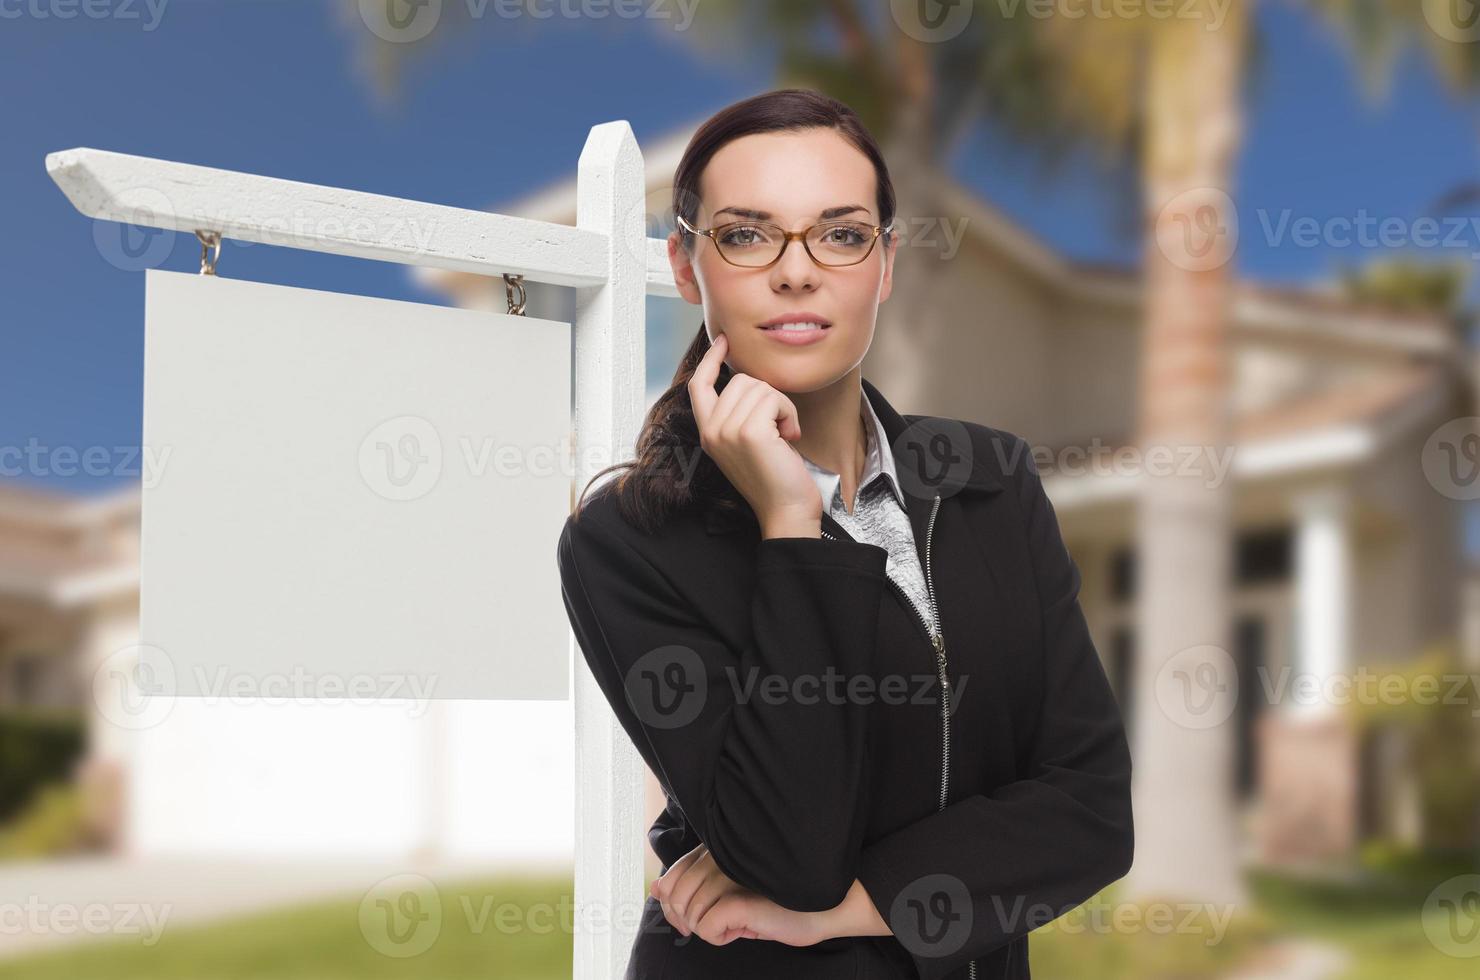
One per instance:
(349, 498)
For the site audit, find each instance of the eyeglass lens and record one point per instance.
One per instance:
(758, 243)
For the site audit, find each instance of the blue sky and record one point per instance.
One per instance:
(271, 87)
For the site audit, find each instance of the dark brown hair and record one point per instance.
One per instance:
(670, 470)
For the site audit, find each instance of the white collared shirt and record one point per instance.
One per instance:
(879, 515)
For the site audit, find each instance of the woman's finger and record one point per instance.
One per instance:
(747, 404)
(674, 919)
(773, 411)
(702, 395)
(724, 921)
(735, 391)
(713, 888)
(663, 885)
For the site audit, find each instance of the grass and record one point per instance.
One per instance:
(510, 928)
(1379, 921)
(518, 928)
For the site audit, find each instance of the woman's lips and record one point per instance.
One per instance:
(796, 333)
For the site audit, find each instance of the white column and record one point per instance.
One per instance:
(1323, 582)
(609, 383)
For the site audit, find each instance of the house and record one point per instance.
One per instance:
(1348, 546)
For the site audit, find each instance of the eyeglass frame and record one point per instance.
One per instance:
(787, 238)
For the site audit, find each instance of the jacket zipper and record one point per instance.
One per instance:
(938, 643)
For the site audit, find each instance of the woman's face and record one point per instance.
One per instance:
(796, 179)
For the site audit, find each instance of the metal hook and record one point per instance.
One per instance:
(512, 283)
(208, 240)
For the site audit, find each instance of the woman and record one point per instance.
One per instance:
(847, 641)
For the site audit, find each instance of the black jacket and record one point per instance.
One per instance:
(804, 780)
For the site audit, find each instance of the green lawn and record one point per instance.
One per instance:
(324, 941)
(530, 939)
(1378, 922)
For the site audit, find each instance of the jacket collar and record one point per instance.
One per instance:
(932, 455)
(878, 463)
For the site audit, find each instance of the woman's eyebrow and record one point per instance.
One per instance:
(757, 215)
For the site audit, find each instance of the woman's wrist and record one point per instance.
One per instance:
(791, 525)
(855, 915)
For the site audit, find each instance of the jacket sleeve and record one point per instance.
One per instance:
(768, 768)
(990, 868)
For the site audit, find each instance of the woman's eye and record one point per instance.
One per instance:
(735, 236)
(845, 236)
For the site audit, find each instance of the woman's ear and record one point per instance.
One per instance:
(886, 284)
(683, 269)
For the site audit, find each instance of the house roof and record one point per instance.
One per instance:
(1344, 425)
(61, 549)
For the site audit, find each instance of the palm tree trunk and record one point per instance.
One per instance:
(1187, 842)
(905, 353)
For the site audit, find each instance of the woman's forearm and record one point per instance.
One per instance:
(856, 915)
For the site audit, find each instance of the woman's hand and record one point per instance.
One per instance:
(698, 898)
(746, 430)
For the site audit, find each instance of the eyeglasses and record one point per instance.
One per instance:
(760, 244)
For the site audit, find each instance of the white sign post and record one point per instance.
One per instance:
(612, 264)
